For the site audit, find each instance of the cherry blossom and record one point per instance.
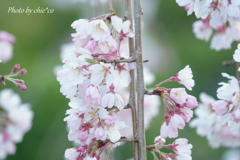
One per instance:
(209, 124)
(95, 76)
(202, 30)
(180, 147)
(6, 47)
(184, 77)
(236, 55)
(16, 120)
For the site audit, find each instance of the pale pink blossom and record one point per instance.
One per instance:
(171, 129)
(214, 127)
(6, 47)
(100, 72)
(220, 41)
(184, 77)
(202, 30)
(71, 154)
(107, 44)
(179, 95)
(99, 132)
(81, 36)
(93, 94)
(191, 102)
(236, 114)
(98, 29)
(110, 121)
(123, 28)
(236, 55)
(159, 140)
(183, 2)
(16, 120)
(112, 99)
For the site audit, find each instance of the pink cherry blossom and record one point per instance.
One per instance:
(123, 28)
(71, 153)
(220, 107)
(202, 30)
(184, 77)
(171, 129)
(6, 47)
(236, 55)
(191, 102)
(16, 120)
(98, 29)
(179, 95)
(112, 99)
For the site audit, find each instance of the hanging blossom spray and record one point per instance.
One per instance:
(93, 77)
(15, 118)
(218, 120)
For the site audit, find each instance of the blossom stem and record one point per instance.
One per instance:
(167, 80)
(111, 7)
(154, 155)
(109, 152)
(101, 16)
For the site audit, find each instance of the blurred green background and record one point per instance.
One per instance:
(39, 37)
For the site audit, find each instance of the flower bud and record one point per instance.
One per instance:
(159, 140)
(22, 72)
(16, 68)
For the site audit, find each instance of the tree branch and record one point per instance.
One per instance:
(132, 97)
(140, 85)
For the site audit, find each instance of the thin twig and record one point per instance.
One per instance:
(111, 7)
(122, 60)
(228, 63)
(154, 92)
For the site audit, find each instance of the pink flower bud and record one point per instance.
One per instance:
(220, 107)
(5, 36)
(110, 121)
(159, 140)
(19, 81)
(91, 45)
(191, 102)
(22, 72)
(16, 68)
(236, 115)
(81, 149)
(83, 136)
(99, 132)
(21, 86)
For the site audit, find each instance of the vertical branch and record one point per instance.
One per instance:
(132, 97)
(237, 72)
(140, 85)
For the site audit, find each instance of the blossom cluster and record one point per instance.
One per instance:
(178, 104)
(180, 147)
(6, 48)
(221, 16)
(219, 120)
(15, 121)
(92, 77)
